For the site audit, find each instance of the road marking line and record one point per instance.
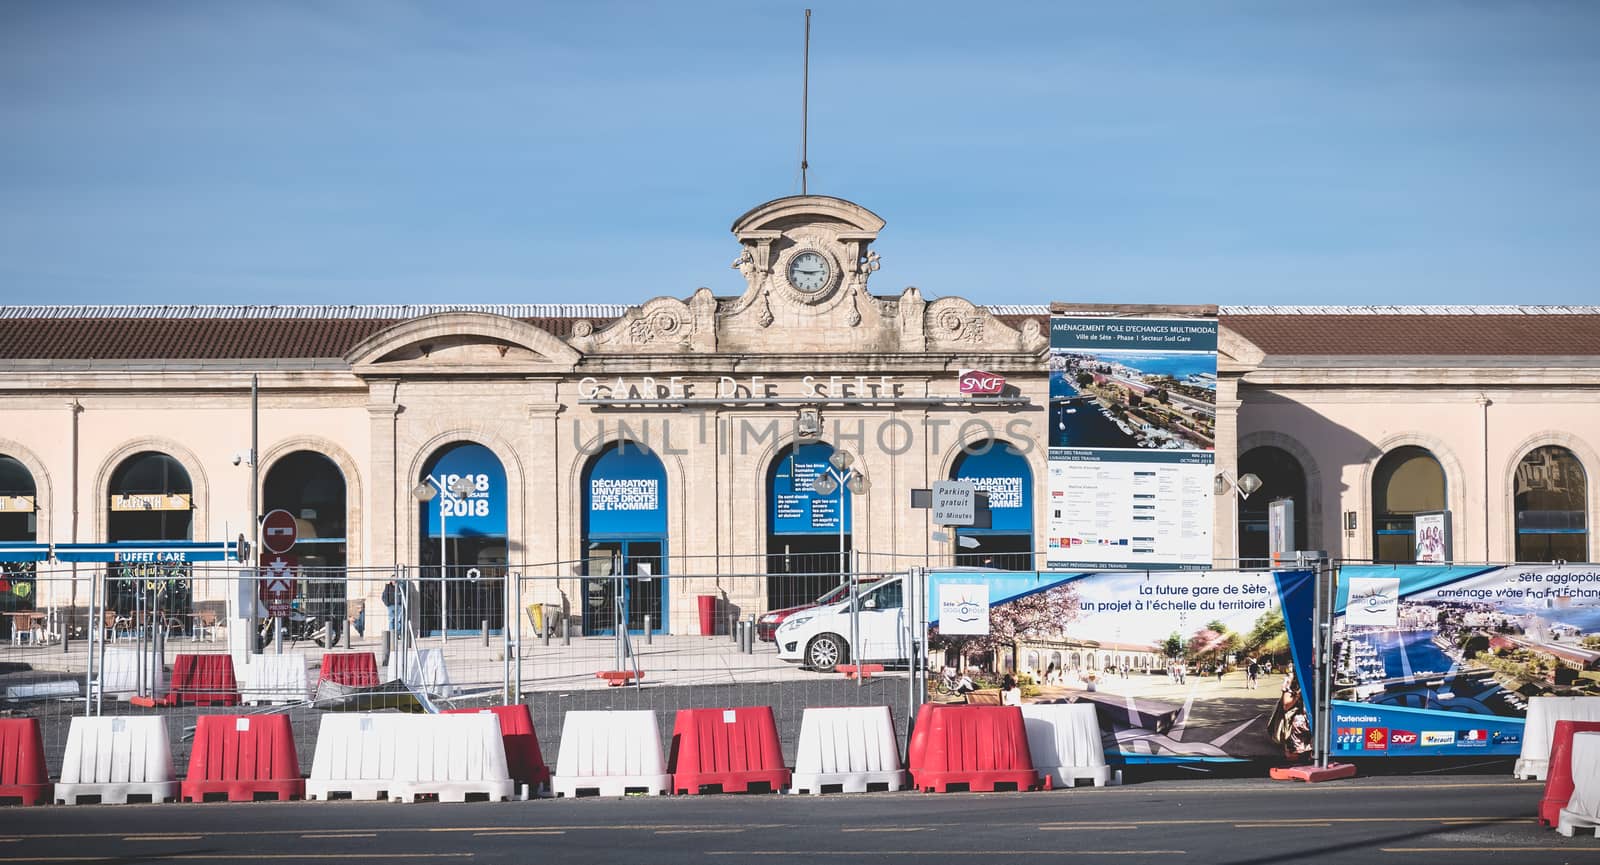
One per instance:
(344, 835)
(163, 837)
(1206, 821)
(517, 832)
(211, 857)
(1110, 828)
(698, 831)
(1590, 850)
(967, 853)
(1280, 825)
(887, 829)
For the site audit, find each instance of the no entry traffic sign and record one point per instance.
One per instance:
(278, 531)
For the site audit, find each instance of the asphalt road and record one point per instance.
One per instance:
(1398, 820)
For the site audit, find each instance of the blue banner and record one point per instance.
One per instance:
(149, 552)
(1003, 473)
(626, 494)
(1441, 661)
(481, 512)
(796, 507)
(1180, 666)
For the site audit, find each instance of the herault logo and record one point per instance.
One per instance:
(1431, 738)
(1402, 737)
(1377, 739)
(977, 381)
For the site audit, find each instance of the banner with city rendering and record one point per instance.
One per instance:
(1442, 660)
(1180, 666)
(1133, 404)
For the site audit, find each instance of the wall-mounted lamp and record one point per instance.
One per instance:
(1248, 483)
(1349, 521)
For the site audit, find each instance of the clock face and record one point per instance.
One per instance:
(809, 271)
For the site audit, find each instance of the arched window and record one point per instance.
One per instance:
(18, 522)
(1408, 481)
(999, 469)
(311, 487)
(804, 555)
(1281, 478)
(625, 533)
(1552, 495)
(151, 500)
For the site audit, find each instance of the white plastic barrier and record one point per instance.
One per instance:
(453, 757)
(852, 748)
(1064, 739)
(276, 679)
(1583, 809)
(1540, 729)
(401, 757)
(610, 754)
(422, 670)
(115, 759)
(119, 673)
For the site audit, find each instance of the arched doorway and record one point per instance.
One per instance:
(464, 548)
(1408, 481)
(1552, 507)
(625, 540)
(312, 488)
(1282, 477)
(19, 523)
(151, 499)
(998, 468)
(806, 554)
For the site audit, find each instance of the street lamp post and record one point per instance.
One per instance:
(841, 475)
(425, 492)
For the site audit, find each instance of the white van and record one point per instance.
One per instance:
(819, 637)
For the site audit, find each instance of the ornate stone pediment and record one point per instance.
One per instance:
(664, 324)
(956, 324)
(460, 343)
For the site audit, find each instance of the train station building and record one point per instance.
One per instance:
(677, 440)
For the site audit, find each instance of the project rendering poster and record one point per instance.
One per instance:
(1458, 654)
(1133, 407)
(1180, 665)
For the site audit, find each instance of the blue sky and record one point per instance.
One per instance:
(388, 151)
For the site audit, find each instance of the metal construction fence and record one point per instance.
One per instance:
(669, 633)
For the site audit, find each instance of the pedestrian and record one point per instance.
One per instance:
(1220, 669)
(1251, 671)
(391, 600)
(1010, 692)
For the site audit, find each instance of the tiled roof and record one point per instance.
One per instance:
(198, 338)
(1421, 334)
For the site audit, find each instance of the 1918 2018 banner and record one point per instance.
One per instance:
(1442, 660)
(1132, 427)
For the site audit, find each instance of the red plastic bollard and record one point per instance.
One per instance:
(523, 757)
(1558, 779)
(730, 749)
(979, 747)
(708, 615)
(919, 741)
(243, 758)
(351, 669)
(22, 769)
(204, 680)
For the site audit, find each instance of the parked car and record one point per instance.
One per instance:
(767, 625)
(819, 637)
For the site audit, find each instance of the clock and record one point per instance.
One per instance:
(810, 271)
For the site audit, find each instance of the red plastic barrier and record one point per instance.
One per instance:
(351, 669)
(731, 749)
(243, 758)
(919, 740)
(708, 615)
(523, 756)
(204, 680)
(977, 746)
(22, 771)
(1558, 779)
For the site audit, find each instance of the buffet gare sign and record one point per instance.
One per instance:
(729, 387)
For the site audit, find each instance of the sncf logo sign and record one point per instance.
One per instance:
(978, 381)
